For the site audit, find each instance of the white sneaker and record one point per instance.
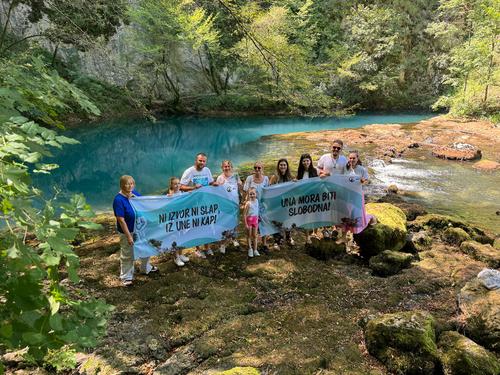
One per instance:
(256, 253)
(200, 254)
(184, 258)
(210, 252)
(276, 246)
(178, 261)
(250, 252)
(292, 242)
(236, 243)
(222, 249)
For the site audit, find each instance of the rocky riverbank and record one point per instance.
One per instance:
(406, 298)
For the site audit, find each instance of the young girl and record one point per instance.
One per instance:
(231, 181)
(251, 215)
(282, 175)
(306, 170)
(173, 190)
(125, 221)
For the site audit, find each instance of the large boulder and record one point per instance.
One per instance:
(455, 236)
(411, 210)
(457, 151)
(462, 356)
(480, 313)
(325, 249)
(388, 234)
(438, 223)
(405, 342)
(389, 262)
(484, 253)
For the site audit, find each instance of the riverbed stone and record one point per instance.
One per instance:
(389, 263)
(486, 165)
(179, 363)
(324, 249)
(405, 342)
(484, 253)
(490, 278)
(462, 356)
(457, 151)
(388, 234)
(455, 236)
(480, 314)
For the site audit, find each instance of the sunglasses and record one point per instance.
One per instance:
(256, 168)
(336, 148)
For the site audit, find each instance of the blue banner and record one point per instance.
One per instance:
(312, 203)
(163, 223)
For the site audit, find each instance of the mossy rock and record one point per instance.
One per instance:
(438, 223)
(325, 249)
(411, 210)
(462, 356)
(388, 234)
(389, 262)
(484, 253)
(240, 371)
(405, 342)
(480, 308)
(95, 365)
(417, 242)
(455, 236)
(496, 243)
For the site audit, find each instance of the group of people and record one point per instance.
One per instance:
(199, 175)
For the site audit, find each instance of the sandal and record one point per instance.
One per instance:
(127, 282)
(153, 270)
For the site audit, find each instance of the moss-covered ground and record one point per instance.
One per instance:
(283, 313)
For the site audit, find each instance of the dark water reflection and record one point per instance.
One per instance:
(154, 152)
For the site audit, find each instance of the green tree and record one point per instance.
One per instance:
(37, 311)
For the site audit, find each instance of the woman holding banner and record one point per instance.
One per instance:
(125, 222)
(354, 167)
(232, 183)
(306, 170)
(282, 175)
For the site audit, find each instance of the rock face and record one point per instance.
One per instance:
(405, 342)
(455, 236)
(480, 308)
(462, 356)
(484, 253)
(457, 151)
(388, 234)
(389, 262)
(325, 249)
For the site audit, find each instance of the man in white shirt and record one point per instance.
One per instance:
(194, 178)
(198, 175)
(334, 163)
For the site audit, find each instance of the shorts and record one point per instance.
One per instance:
(252, 221)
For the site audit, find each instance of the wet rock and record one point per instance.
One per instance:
(480, 314)
(457, 151)
(486, 165)
(462, 356)
(388, 234)
(455, 236)
(325, 249)
(417, 242)
(389, 263)
(240, 371)
(392, 189)
(179, 363)
(484, 253)
(405, 342)
(411, 210)
(437, 223)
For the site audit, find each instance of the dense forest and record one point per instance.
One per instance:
(287, 56)
(306, 57)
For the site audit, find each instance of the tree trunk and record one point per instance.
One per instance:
(54, 55)
(4, 30)
(490, 69)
